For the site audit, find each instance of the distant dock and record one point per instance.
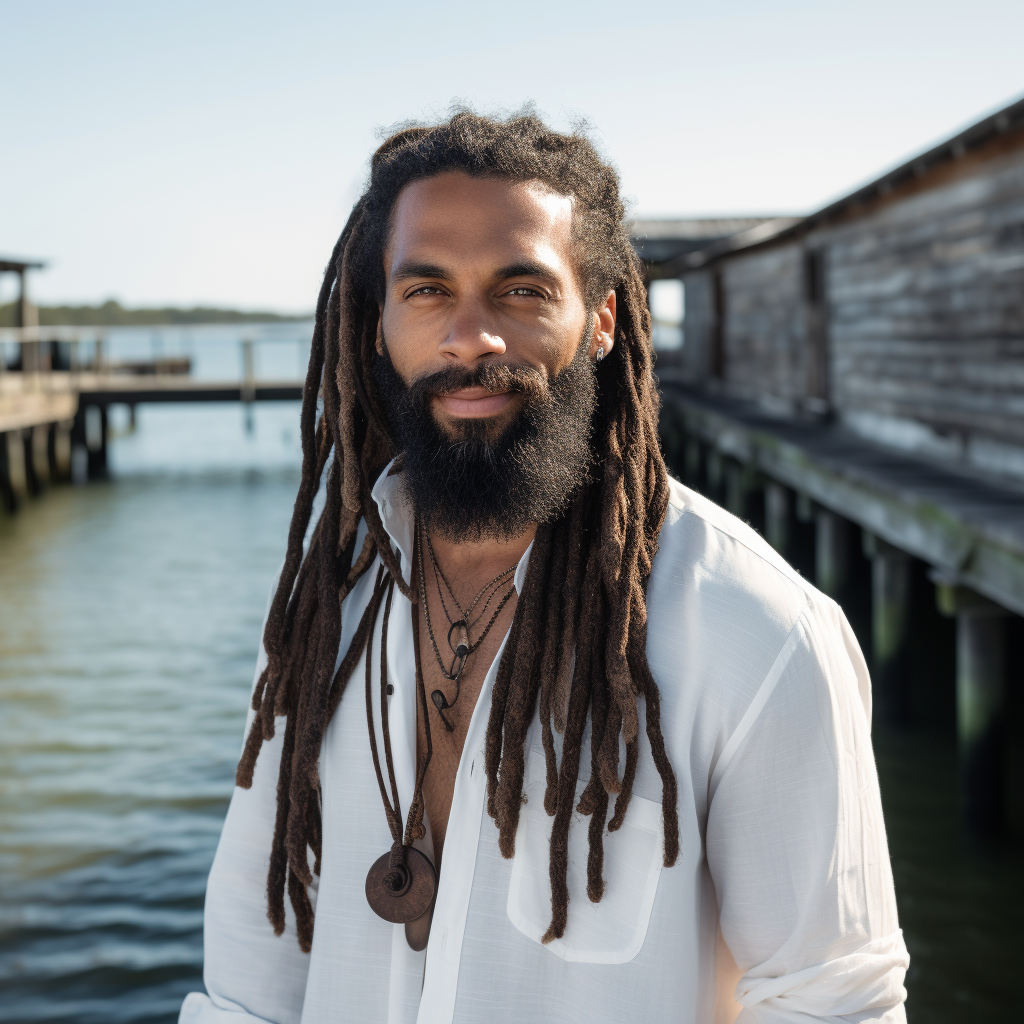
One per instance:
(54, 409)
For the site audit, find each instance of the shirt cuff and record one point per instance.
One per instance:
(870, 978)
(199, 1008)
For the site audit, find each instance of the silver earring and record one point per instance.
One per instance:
(599, 354)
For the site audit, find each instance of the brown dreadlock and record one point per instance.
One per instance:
(578, 639)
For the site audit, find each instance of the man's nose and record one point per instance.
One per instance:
(472, 335)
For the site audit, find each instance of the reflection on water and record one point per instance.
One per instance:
(129, 619)
(959, 900)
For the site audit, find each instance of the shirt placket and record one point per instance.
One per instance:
(451, 911)
(448, 928)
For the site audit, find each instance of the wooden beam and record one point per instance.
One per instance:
(35, 408)
(954, 523)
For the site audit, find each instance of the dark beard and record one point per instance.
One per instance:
(474, 482)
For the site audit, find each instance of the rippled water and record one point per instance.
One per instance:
(129, 619)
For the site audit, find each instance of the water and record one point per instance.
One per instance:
(959, 899)
(130, 617)
(129, 620)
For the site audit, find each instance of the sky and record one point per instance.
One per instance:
(209, 152)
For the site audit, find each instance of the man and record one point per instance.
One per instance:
(507, 604)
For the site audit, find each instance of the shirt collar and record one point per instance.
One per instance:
(396, 515)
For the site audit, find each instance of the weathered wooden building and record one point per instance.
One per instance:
(856, 378)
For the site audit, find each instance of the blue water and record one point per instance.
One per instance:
(129, 621)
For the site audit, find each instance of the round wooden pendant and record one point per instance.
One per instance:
(404, 893)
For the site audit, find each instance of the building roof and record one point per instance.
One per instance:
(659, 240)
(19, 266)
(1003, 122)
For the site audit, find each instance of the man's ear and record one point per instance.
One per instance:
(379, 344)
(602, 338)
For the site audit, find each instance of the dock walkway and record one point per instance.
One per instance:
(53, 424)
(970, 530)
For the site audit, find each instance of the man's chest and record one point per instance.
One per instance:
(452, 684)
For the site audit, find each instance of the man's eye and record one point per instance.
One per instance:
(426, 289)
(524, 290)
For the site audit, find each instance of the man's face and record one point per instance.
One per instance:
(479, 270)
(486, 349)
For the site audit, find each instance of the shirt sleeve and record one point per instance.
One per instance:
(250, 973)
(796, 842)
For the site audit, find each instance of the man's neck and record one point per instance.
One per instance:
(470, 563)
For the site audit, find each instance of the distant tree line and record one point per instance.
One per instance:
(113, 314)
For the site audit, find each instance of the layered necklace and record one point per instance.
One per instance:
(460, 630)
(401, 884)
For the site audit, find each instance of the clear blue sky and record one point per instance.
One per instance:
(209, 152)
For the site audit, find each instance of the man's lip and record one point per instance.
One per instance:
(474, 402)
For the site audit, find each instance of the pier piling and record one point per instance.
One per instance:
(692, 463)
(980, 705)
(715, 473)
(737, 488)
(890, 632)
(16, 482)
(831, 552)
(777, 512)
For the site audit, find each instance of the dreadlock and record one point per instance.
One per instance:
(577, 644)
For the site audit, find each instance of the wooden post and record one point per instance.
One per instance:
(777, 510)
(98, 454)
(25, 313)
(248, 391)
(17, 482)
(803, 507)
(715, 473)
(51, 452)
(33, 484)
(831, 552)
(40, 455)
(691, 463)
(60, 465)
(89, 436)
(890, 630)
(980, 705)
(8, 494)
(737, 487)
(79, 450)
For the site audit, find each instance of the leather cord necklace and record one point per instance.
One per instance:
(400, 885)
(461, 646)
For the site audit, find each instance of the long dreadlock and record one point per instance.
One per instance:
(577, 644)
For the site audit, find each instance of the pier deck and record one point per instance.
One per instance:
(970, 530)
(45, 417)
(30, 400)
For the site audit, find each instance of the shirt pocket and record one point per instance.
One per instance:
(609, 932)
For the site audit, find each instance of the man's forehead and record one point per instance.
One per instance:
(464, 215)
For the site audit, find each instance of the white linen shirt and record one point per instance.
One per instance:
(765, 712)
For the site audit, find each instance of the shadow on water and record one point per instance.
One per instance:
(959, 899)
(129, 620)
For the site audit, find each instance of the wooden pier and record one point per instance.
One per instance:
(54, 422)
(853, 382)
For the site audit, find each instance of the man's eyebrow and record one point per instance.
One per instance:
(526, 268)
(419, 268)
